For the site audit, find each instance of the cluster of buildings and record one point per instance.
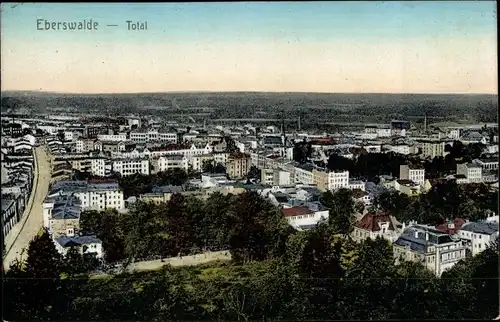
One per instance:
(148, 146)
(17, 171)
(64, 204)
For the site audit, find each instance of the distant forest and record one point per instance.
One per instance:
(313, 108)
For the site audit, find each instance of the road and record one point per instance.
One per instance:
(24, 231)
(180, 261)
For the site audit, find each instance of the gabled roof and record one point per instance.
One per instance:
(371, 221)
(445, 228)
(297, 211)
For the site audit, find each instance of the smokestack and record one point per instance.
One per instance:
(299, 123)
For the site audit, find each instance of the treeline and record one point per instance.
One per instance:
(188, 225)
(371, 165)
(318, 275)
(244, 224)
(443, 202)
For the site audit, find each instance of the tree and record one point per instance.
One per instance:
(42, 273)
(74, 263)
(341, 215)
(249, 234)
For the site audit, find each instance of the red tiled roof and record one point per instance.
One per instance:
(458, 222)
(297, 211)
(371, 220)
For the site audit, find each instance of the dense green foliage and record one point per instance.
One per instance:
(444, 201)
(320, 277)
(245, 224)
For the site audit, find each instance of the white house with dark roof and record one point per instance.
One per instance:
(87, 245)
(479, 235)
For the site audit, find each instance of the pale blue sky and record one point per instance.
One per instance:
(246, 21)
(330, 43)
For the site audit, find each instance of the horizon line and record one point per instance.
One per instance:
(253, 92)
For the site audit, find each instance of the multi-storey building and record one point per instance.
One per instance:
(413, 173)
(472, 171)
(432, 149)
(238, 165)
(435, 250)
(304, 174)
(126, 167)
(487, 164)
(174, 161)
(94, 194)
(100, 167)
(84, 145)
(61, 215)
(373, 225)
(267, 177)
(120, 137)
(143, 135)
(338, 179)
(479, 235)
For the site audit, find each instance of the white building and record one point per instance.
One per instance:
(404, 149)
(86, 245)
(99, 167)
(170, 162)
(491, 148)
(126, 167)
(487, 164)
(454, 134)
(412, 173)
(471, 171)
(383, 132)
(147, 135)
(304, 175)
(479, 235)
(281, 178)
(69, 136)
(357, 184)
(98, 195)
(112, 137)
(302, 217)
(338, 180)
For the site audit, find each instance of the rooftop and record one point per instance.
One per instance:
(371, 221)
(484, 228)
(66, 207)
(66, 241)
(297, 211)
